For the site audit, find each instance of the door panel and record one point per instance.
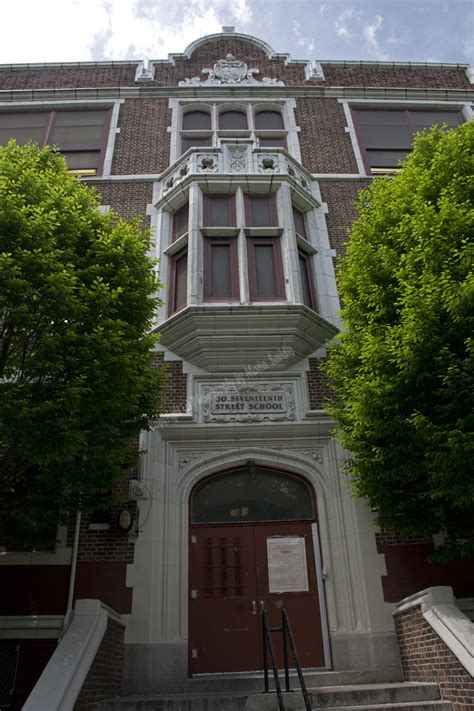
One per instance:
(224, 632)
(302, 607)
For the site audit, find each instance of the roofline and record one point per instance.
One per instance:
(288, 60)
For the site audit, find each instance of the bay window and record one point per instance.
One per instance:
(306, 276)
(180, 224)
(220, 269)
(265, 269)
(260, 211)
(179, 281)
(219, 211)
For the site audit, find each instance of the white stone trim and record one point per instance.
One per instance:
(181, 454)
(350, 129)
(61, 681)
(113, 131)
(439, 609)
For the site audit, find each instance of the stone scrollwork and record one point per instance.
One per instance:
(316, 455)
(237, 159)
(185, 459)
(230, 71)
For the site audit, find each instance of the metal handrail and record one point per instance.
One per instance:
(287, 633)
(267, 643)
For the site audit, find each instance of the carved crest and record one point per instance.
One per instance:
(230, 71)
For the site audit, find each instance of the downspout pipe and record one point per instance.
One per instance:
(72, 576)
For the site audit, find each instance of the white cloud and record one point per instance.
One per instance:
(341, 24)
(301, 40)
(80, 30)
(370, 34)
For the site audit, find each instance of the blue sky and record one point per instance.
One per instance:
(385, 30)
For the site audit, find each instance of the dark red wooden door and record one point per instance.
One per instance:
(224, 630)
(302, 606)
(229, 580)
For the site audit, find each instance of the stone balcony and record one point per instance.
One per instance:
(239, 159)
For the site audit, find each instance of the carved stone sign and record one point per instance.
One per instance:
(230, 71)
(253, 402)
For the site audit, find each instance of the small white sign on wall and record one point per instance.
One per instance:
(287, 567)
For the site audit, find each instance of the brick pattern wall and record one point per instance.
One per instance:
(325, 146)
(143, 144)
(341, 198)
(67, 77)
(425, 657)
(318, 385)
(105, 675)
(386, 76)
(175, 387)
(127, 199)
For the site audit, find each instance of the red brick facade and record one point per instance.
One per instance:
(425, 657)
(105, 675)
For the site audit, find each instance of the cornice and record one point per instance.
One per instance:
(216, 92)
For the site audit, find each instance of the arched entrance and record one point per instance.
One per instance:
(252, 544)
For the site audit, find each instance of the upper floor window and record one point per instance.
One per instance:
(270, 129)
(179, 281)
(81, 135)
(260, 211)
(180, 222)
(219, 211)
(266, 280)
(220, 269)
(306, 276)
(386, 135)
(233, 121)
(210, 124)
(196, 130)
(299, 222)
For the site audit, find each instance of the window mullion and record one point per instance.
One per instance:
(242, 247)
(49, 127)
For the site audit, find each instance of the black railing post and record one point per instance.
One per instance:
(285, 653)
(286, 624)
(268, 640)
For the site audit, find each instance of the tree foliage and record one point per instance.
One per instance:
(76, 377)
(403, 370)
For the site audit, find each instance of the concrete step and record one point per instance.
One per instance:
(253, 681)
(365, 697)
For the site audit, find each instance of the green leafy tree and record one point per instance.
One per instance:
(403, 370)
(77, 298)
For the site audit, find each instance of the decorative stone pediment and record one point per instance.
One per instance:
(230, 71)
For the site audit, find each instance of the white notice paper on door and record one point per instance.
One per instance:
(287, 569)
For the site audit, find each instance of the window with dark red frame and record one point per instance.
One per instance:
(219, 211)
(233, 121)
(81, 135)
(179, 281)
(306, 275)
(260, 211)
(180, 222)
(270, 129)
(220, 269)
(299, 222)
(386, 135)
(196, 130)
(265, 269)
